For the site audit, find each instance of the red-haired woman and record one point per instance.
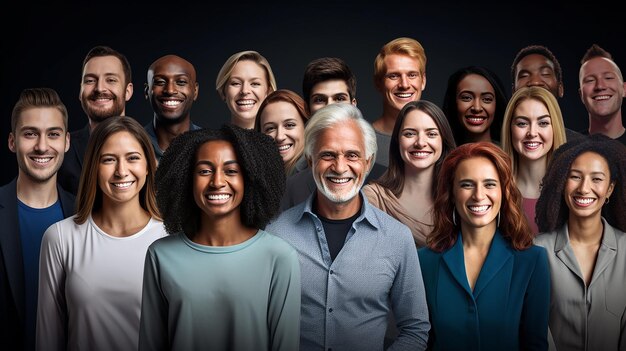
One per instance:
(487, 285)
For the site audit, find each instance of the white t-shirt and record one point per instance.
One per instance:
(90, 286)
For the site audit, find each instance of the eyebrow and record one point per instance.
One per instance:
(209, 163)
(126, 154)
(24, 128)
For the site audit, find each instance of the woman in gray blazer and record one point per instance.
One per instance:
(581, 215)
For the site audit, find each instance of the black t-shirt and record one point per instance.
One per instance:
(336, 231)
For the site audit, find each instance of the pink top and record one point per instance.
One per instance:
(529, 211)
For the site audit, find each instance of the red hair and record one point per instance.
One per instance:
(513, 225)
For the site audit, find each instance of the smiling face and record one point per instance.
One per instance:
(588, 186)
(218, 183)
(476, 105)
(602, 88)
(281, 121)
(171, 88)
(103, 90)
(531, 130)
(339, 162)
(420, 141)
(245, 90)
(122, 168)
(477, 193)
(402, 82)
(40, 142)
(329, 92)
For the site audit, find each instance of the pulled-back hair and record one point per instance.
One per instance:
(249, 55)
(552, 211)
(513, 224)
(37, 98)
(261, 165)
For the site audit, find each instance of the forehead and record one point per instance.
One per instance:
(122, 140)
(475, 82)
(532, 104)
(418, 119)
(40, 118)
(248, 69)
(216, 151)
(341, 136)
(279, 111)
(599, 65)
(330, 87)
(591, 161)
(104, 65)
(476, 168)
(173, 65)
(400, 63)
(534, 62)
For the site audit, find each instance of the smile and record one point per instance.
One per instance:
(583, 201)
(479, 209)
(122, 185)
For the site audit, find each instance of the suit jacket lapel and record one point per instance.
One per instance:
(11, 245)
(455, 261)
(497, 257)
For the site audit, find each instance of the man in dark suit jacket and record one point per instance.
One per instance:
(28, 206)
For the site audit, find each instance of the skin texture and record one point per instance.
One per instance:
(218, 184)
(537, 70)
(103, 91)
(171, 89)
(478, 194)
(123, 169)
(39, 142)
(602, 89)
(246, 89)
(339, 168)
(281, 121)
(420, 141)
(329, 92)
(588, 186)
(476, 106)
(531, 130)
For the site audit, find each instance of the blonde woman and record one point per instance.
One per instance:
(532, 129)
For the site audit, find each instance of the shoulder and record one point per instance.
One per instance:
(166, 243)
(9, 190)
(546, 239)
(66, 230)
(287, 218)
(426, 254)
(277, 245)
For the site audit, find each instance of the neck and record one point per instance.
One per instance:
(37, 194)
(473, 138)
(611, 126)
(529, 176)
(165, 133)
(418, 183)
(222, 231)
(478, 237)
(386, 122)
(121, 219)
(586, 230)
(331, 210)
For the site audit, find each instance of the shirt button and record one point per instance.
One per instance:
(332, 272)
(319, 229)
(330, 310)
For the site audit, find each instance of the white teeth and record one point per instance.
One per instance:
(584, 200)
(476, 119)
(172, 103)
(42, 159)
(218, 197)
(284, 147)
(404, 95)
(245, 102)
(420, 153)
(532, 144)
(482, 208)
(122, 185)
(339, 180)
(602, 97)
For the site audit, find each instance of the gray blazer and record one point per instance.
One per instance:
(587, 317)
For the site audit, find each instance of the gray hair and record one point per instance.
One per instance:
(331, 115)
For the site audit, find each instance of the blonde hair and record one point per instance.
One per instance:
(227, 69)
(399, 46)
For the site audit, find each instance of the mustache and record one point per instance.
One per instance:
(98, 95)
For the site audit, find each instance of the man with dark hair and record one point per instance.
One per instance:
(358, 263)
(602, 90)
(28, 205)
(105, 88)
(171, 89)
(536, 65)
(328, 80)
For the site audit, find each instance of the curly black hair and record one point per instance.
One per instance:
(552, 211)
(262, 169)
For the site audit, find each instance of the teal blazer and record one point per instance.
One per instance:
(508, 309)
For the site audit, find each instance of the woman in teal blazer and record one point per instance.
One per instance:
(487, 285)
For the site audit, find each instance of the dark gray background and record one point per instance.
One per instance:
(46, 48)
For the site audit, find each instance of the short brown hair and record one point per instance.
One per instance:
(37, 98)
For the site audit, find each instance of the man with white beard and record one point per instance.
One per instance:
(357, 262)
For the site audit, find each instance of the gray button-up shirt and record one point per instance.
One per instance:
(345, 302)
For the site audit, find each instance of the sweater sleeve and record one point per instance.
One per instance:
(52, 316)
(153, 333)
(284, 305)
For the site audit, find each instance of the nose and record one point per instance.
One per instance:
(245, 88)
(101, 85)
(170, 88)
(217, 181)
(476, 106)
(280, 134)
(121, 170)
(583, 187)
(42, 143)
(340, 166)
(536, 81)
(600, 84)
(404, 81)
(420, 141)
(532, 130)
(479, 192)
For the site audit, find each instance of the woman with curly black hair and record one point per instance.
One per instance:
(222, 282)
(581, 212)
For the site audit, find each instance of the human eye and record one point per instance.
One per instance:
(256, 84)
(547, 73)
(520, 123)
(432, 134)
(413, 75)
(341, 98)
(392, 76)
(204, 171)
(54, 135)
(134, 157)
(89, 80)
(327, 156)
(466, 185)
(231, 171)
(523, 74)
(353, 156)
(181, 82)
(465, 97)
(589, 80)
(291, 125)
(491, 185)
(234, 83)
(318, 100)
(574, 176)
(159, 82)
(30, 134)
(107, 159)
(409, 133)
(112, 80)
(488, 99)
(544, 123)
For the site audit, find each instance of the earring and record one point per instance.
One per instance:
(498, 222)
(606, 201)
(454, 215)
